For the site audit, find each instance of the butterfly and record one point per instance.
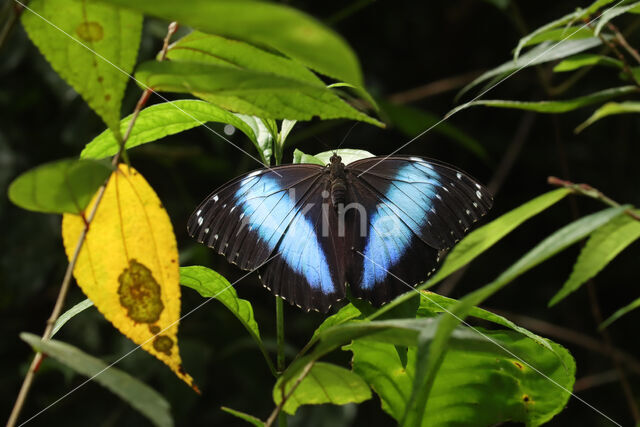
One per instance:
(376, 224)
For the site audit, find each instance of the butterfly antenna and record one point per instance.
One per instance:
(346, 135)
(317, 138)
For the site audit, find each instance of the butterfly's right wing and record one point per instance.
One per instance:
(246, 218)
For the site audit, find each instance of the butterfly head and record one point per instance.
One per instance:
(335, 159)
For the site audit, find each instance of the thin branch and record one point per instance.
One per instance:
(278, 408)
(589, 191)
(625, 65)
(66, 281)
(433, 88)
(623, 42)
(11, 21)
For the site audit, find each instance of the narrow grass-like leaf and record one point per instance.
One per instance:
(412, 121)
(99, 31)
(544, 52)
(554, 107)
(478, 241)
(610, 109)
(246, 417)
(550, 246)
(325, 383)
(585, 60)
(619, 313)
(478, 384)
(69, 314)
(614, 12)
(249, 92)
(64, 186)
(210, 284)
(137, 394)
(602, 247)
(160, 120)
(558, 34)
(278, 26)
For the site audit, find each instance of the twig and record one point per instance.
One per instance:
(66, 281)
(589, 191)
(595, 380)
(278, 408)
(623, 42)
(621, 57)
(433, 88)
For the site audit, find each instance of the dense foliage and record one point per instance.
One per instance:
(125, 121)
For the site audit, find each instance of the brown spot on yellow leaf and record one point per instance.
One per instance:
(107, 97)
(140, 293)
(154, 329)
(163, 344)
(90, 31)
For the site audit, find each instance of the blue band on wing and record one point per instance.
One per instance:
(269, 211)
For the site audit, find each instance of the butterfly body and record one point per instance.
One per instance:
(374, 224)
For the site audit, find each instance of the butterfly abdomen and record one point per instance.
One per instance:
(338, 182)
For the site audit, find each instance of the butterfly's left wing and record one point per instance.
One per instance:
(415, 207)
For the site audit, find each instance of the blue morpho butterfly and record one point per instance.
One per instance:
(375, 224)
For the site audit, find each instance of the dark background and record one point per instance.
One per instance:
(401, 45)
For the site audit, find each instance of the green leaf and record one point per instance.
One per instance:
(614, 12)
(97, 63)
(64, 186)
(554, 107)
(584, 60)
(300, 157)
(246, 417)
(325, 383)
(412, 121)
(263, 140)
(561, 34)
(619, 313)
(602, 247)
(287, 30)
(478, 384)
(550, 246)
(610, 109)
(346, 314)
(72, 312)
(348, 155)
(481, 239)
(544, 52)
(160, 120)
(210, 284)
(137, 394)
(432, 304)
(249, 92)
(211, 49)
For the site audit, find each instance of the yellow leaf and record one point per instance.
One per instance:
(128, 265)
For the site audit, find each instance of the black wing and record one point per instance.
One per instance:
(415, 207)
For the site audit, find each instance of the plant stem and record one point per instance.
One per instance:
(11, 20)
(278, 409)
(66, 281)
(623, 42)
(587, 190)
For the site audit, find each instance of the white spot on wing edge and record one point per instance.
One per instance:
(254, 173)
(479, 194)
(232, 209)
(200, 221)
(206, 230)
(215, 198)
(459, 175)
(199, 212)
(478, 186)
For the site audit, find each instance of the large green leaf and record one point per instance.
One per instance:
(210, 284)
(277, 26)
(97, 63)
(477, 384)
(140, 396)
(602, 247)
(64, 186)
(478, 241)
(216, 50)
(610, 109)
(412, 121)
(561, 34)
(544, 52)
(554, 107)
(585, 60)
(160, 120)
(325, 383)
(249, 92)
(550, 246)
(619, 313)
